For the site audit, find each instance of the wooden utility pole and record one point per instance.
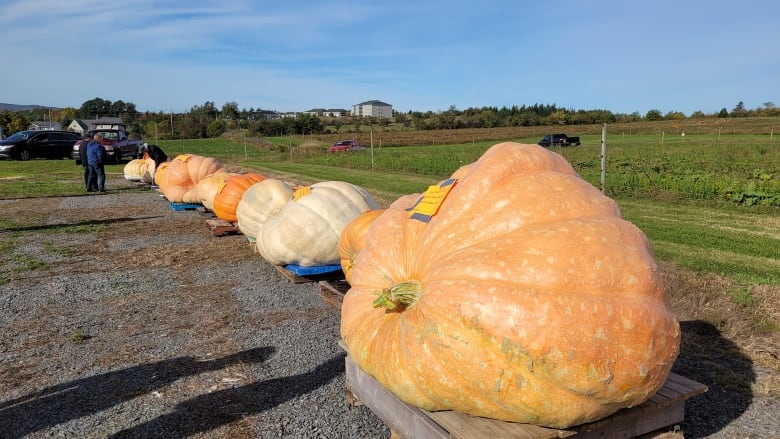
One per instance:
(603, 158)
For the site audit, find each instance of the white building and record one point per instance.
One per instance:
(373, 109)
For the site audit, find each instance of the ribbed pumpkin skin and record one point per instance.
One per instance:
(208, 187)
(226, 200)
(182, 174)
(259, 202)
(306, 231)
(188, 169)
(537, 302)
(161, 176)
(353, 239)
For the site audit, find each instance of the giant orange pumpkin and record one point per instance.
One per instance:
(515, 291)
(183, 173)
(227, 199)
(209, 186)
(187, 169)
(353, 239)
(161, 176)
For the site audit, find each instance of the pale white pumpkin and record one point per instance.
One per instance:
(139, 170)
(259, 202)
(307, 228)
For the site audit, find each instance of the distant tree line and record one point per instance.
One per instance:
(207, 120)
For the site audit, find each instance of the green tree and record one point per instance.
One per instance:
(13, 122)
(216, 128)
(67, 115)
(558, 118)
(674, 115)
(230, 110)
(654, 115)
(698, 114)
(723, 113)
(739, 110)
(95, 108)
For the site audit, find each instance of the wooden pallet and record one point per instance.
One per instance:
(660, 416)
(333, 291)
(219, 227)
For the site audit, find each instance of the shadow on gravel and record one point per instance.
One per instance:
(709, 358)
(55, 227)
(207, 412)
(83, 397)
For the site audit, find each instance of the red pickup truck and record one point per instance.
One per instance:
(117, 145)
(346, 145)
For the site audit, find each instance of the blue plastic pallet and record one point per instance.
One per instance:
(184, 206)
(311, 271)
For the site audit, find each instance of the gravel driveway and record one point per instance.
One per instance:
(137, 322)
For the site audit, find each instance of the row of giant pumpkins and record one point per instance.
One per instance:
(513, 290)
(288, 224)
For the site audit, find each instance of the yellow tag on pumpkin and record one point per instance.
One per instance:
(429, 203)
(221, 185)
(183, 158)
(301, 192)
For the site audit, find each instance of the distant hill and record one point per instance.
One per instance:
(15, 107)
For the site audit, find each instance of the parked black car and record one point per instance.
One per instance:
(559, 140)
(25, 145)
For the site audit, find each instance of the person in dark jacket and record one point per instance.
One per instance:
(83, 158)
(96, 156)
(157, 154)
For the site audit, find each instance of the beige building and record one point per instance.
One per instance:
(373, 109)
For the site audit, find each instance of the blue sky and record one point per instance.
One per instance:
(421, 55)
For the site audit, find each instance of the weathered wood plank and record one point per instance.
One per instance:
(333, 291)
(404, 420)
(219, 227)
(661, 414)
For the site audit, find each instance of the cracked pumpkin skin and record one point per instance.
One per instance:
(526, 298)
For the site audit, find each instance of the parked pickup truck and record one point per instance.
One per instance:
(116, 143)
(559, 140)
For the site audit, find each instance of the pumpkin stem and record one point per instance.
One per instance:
(401, 295)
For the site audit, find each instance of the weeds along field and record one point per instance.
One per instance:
(742, 169)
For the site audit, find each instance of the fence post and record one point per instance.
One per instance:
(372, 149)
(603, 158)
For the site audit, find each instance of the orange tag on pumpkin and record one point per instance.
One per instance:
(429, 203)
(301, 192)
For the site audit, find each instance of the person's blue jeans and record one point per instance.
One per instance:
(97, 177)
(87, 172)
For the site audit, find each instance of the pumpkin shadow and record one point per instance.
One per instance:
(711, 359)
(82, 397)
(209, 411)
(66, 226)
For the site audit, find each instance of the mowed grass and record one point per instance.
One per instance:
(743, 246)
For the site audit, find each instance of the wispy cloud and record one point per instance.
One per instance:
(417, 55)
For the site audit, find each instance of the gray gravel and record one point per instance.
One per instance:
(154, 328)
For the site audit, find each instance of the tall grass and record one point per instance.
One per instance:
(744, 169)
